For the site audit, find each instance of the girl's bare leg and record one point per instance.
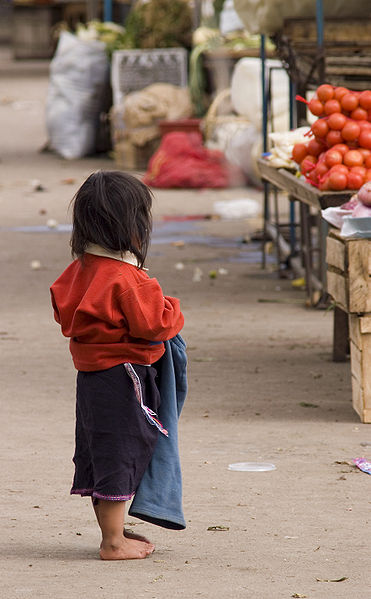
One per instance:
(116, 546)
(127, 533)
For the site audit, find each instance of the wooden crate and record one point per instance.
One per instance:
(131, 157)
(347, 51)
(349, 272)
(360, 356)
(349, 283)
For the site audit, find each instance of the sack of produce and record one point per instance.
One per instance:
(337, 155)
(182, 161)
(79, 81)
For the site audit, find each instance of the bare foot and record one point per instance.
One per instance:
(129, 534)
(127, 549)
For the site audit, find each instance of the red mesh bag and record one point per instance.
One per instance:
(182, 161)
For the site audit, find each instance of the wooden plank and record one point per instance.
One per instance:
(335, 253)
(337, 287)
(366, 416)
(357, 397)
(356, 362)
(359, 278)
(365, 323)
(361, 376)
(337, 30)
(300, 189)
(354, 330)
(366, 370)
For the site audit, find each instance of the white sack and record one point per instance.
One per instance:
(243, 150)
(246, 92)
(79, 77)
(267, 16)
(229, 19)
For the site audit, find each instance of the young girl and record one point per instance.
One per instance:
(117, 318)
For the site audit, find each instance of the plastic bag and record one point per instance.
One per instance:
(182, 161)
(243, 150)
(78, 87)
(246, 92)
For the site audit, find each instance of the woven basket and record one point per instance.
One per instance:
(212, 119)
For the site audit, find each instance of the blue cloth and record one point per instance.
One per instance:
(158, 498)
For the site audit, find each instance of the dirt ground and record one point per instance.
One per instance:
(262, 388)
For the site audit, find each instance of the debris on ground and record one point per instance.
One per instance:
(197, 275)
(35, 265)
(363, 464)
(36, 185)
(51, 223)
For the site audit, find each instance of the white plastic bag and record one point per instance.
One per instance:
(79, 79)
(243, 150)
(246, 92)
(229, 19)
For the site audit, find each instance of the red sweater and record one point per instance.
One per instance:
(113, 313)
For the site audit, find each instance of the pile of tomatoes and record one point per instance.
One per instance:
(338, 154)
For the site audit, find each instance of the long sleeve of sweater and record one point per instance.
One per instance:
(149, 314)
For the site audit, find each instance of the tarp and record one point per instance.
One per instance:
(267, 16)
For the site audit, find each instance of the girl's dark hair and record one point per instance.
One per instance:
(113, 210)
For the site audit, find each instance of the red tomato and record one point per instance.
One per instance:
(365, 99)
(368, 175)
(364, 125)
(359, 114)
(308, 164)
(340, 168)
(365, 152)
(320, 169)
(360, 170)
(336, 120)
(333, 138)
(325, 92)
(353, 158)
(332, 106)
(350, 131)
(343, 148)
(349, 101)
(365, 138)
(355, 181)
(315, 147)
(299, 152)
(337, 181)
(368, 161)
(316, 107)
(313, 177)
(320, 128)
(324, 185)
(333, 157)
(339, 92)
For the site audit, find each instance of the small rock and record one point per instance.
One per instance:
(37, 185)
(35, 265)
(197, 275)
(51, 223)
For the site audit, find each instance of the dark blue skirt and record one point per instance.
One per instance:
(114, 438)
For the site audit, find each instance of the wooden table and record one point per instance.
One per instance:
(313, 228)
